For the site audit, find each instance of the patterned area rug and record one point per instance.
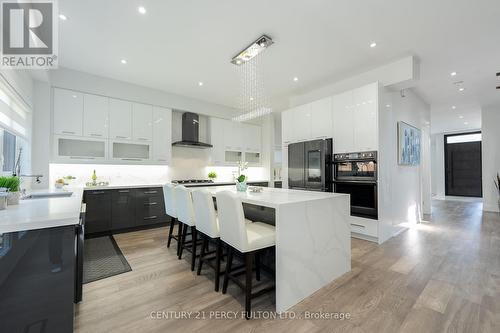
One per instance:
(103, 259)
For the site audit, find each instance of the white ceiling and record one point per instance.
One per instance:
(177, 43)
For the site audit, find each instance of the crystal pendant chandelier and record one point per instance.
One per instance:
(253, 100)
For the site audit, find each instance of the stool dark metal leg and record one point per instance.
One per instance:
(193, 257)
(170, 231)
(179, 236)
(218, 255)
(248, 283)
(228, 269)
(202, 253)
(184, 233)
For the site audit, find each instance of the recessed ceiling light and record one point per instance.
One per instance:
(453, 107)
(251, 98)
(461, 117)
(461, 89)
(427, 122)
(388, 105)
(200, 83)
(141, 10)
(123, 61)
(373, 44)
(466, 123)
(295, 79)
(453, 73)
(63, 17)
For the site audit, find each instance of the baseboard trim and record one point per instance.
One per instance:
(364, 237)
(490, 208)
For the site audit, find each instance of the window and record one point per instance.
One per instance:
(9, 151)
(460, 138)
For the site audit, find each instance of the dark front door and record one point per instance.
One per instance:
(463, 166)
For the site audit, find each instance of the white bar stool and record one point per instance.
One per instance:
(247, 238)
(185, 215)
(207, 225)
(169, 197)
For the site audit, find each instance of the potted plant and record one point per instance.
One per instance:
(212, 175)
(12, 185)
(497, 185)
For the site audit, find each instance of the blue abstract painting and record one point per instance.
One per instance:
(408, 144)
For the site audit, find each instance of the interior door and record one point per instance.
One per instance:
(463, 168)
(296, 165)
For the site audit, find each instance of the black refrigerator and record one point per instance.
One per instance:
(310, 165)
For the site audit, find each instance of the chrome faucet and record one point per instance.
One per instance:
(17, 169)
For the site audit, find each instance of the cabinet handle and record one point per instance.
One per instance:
(131, 159)
(95, 134)
(121, 137)
(150, 203)
(162, 160)
(150, 192)
(68, 132)
(82, 158)
(358, 225)
(123, 191)
(150, 217)
(142, 139)
(99, 192)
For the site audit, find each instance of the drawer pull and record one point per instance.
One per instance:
(68, 132)
(358, 225)
(142, 139)
(82, 158)
(123, 191)
(150, 192)
(121, 137)
(95, 134)
(100, 192)
(131, 159)
(150, 217)
(150, 203)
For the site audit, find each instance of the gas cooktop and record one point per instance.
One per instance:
(192, 181)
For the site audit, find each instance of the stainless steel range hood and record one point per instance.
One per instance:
(190, 132)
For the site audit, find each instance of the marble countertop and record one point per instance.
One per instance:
(42, 213)
(275, 197)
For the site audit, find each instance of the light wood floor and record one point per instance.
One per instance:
(443, 276)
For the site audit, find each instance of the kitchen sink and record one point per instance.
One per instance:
(45, 195)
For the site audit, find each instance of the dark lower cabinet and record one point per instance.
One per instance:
(98, 211)
(150, 206)
(122, 209)
(37, 280)
(261, 184)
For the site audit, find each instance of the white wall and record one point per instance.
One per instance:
(402, 192)
(491, 155)
(437, 174)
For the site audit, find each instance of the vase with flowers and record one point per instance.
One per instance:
(241, 180)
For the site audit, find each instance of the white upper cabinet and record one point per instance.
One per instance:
(252, 137)
(217, 127)
(302, 122)
(68, 112)
(366, 118)
(162, 134)
(343, 123)
(120, 119)
(321, 118)
(95, 116)
(287, 126)
(142, 118)
(233, 138)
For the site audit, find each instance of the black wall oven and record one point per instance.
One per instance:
(356, 175)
